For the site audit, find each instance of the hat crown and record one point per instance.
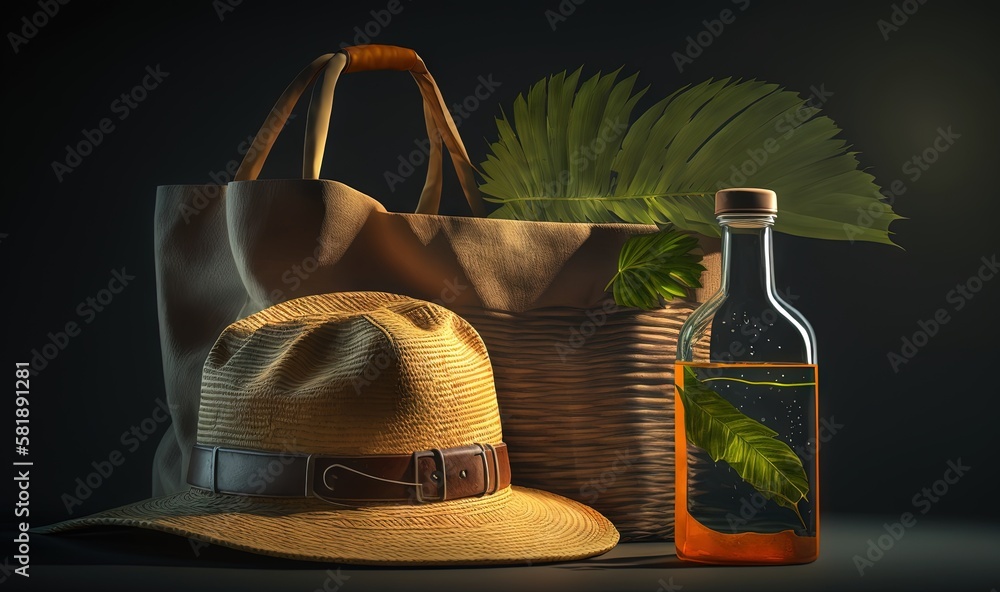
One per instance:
(349, 373)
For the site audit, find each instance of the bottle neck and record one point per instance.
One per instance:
(747, 259)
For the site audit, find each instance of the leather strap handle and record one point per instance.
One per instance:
(365, 58)
(368, 57)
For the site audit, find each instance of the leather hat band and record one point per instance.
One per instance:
(424, 476)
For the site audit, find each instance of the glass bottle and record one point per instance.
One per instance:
(747, 466)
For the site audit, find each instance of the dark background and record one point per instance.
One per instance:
(59, 241)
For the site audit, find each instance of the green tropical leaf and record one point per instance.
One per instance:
(748, 446)
(654, 266)
(570, 155)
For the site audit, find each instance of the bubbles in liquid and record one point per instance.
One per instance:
(717, 496)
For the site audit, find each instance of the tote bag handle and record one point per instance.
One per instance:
(440, 125)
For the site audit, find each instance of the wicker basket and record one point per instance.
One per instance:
(590, 416)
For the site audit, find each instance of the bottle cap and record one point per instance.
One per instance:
(746, 200)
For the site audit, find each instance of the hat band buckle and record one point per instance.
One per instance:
(441, 473)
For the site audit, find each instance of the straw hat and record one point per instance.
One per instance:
(359, 428)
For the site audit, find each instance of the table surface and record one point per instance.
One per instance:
(933, 554)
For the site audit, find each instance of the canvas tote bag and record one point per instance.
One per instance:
(584, 386)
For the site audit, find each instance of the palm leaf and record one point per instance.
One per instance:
(672, 159)
(748, 446)
(655, 266)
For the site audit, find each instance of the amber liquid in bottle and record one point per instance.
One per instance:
(746, 404)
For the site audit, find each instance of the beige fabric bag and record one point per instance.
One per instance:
(585, 387)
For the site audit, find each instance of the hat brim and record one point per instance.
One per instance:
(516, 525)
